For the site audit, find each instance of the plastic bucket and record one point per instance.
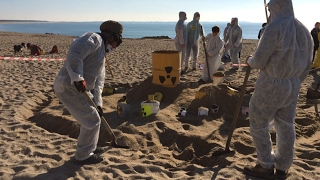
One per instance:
(149, 108)
(158, 96)
(183, 113)
(151, 97)
(123, 109)
(203, 111)
(166, 66)
(217, 78)
(107, 90)
(214, 108)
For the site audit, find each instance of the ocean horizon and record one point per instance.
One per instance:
(132, 29)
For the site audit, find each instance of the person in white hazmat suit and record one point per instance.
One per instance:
(193, 34)
(180, 40)
(226, 48)
(283, 57)
(214, 49)
(233, 41)
(84, 71)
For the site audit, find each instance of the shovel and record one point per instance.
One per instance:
(313, 96)
(313, 93)
(105, 123)
(235, 117)
(108, 65)
(205, 52)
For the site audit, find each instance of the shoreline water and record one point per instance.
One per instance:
(131, 29)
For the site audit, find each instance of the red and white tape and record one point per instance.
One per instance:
(31, 59)
(231, 64)
(239, 64)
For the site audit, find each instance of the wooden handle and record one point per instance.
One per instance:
(236, 113)
(266, 11)
(108, 65)
(103, 120)
(318, 85)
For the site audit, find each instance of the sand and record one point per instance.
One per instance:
(38, 142)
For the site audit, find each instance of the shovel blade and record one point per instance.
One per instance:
(116, 145)
(313, 94)
(222, 152)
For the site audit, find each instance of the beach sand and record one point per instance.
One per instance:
(38, 142)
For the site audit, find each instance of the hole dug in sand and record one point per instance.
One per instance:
(190, 140)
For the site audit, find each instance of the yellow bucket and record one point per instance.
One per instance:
(166, 66)
(158, 96)
(107, 90)
(151, 97)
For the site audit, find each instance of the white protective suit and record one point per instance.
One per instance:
(214, 49)
(85, 61)
(225, 35)
(234, 38)
(283, 56)
(181, 37)
(193, 35)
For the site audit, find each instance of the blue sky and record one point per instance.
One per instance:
(307, 11)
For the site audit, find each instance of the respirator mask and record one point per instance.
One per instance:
(113, 37)
(117, 38)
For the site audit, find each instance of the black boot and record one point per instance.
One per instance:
(94, 159)
(281, 174)
(99, 150)
(259, 171)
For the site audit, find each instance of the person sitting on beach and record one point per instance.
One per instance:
(84, 72)
(54, 50)
(283, 57)
(35, 50)
(214, 49)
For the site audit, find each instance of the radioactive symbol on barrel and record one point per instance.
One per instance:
(119, 109)
(168, 70)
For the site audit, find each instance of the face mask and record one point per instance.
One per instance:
(197, 18)
(109, 48)
(118, 39)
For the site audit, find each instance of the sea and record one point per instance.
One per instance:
(131, 29)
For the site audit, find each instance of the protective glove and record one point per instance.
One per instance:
(100, 111)
(81, 86)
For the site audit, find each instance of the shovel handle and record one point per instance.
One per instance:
(236, 113)
(205, 51)
(266, 10)
(108, 65)
(318, 85)
(103, 120)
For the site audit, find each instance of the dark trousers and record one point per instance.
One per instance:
(314, 51)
